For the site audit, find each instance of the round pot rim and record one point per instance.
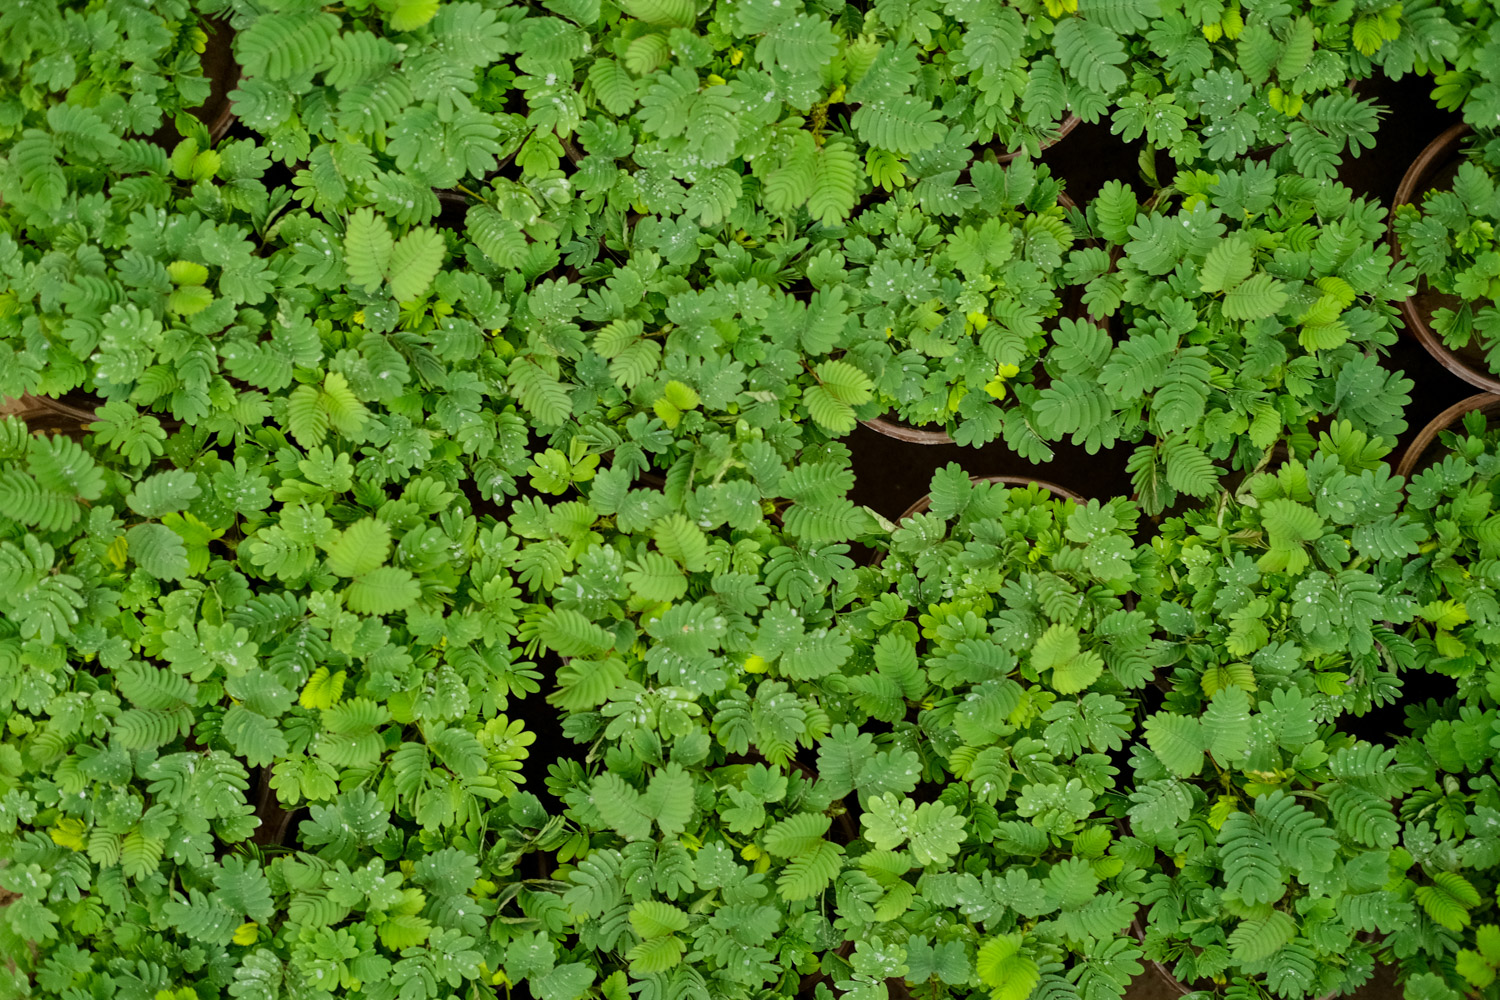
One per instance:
(1428, 436)
(21, 408)
(43, 414)
(1436, 151)
(905, 432)
(1064, 127)
(1138, 931)
(62, 408)
(922, 505)
(1446, 141)
(225, 116)
(67, 406)
(221, 68)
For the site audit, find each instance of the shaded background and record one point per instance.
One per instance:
(890, 475)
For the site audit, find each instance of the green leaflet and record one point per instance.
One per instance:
(367, 248)
(414, 262)
(1072, 669)
(408, 265)
(504, 353)
(361, 548)
(935, 831)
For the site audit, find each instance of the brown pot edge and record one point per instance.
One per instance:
(1066, 126)
(910, 435)
(220, 32)
(1429, 434)
(1019, 482)
(1417, 325)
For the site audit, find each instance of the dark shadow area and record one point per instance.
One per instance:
(1386, 724)
(545, 722)
(890, 475)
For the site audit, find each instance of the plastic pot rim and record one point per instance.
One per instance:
(1437, 152)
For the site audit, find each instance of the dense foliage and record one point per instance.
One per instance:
(428, 564)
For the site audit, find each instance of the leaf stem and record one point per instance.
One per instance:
(473, 194)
